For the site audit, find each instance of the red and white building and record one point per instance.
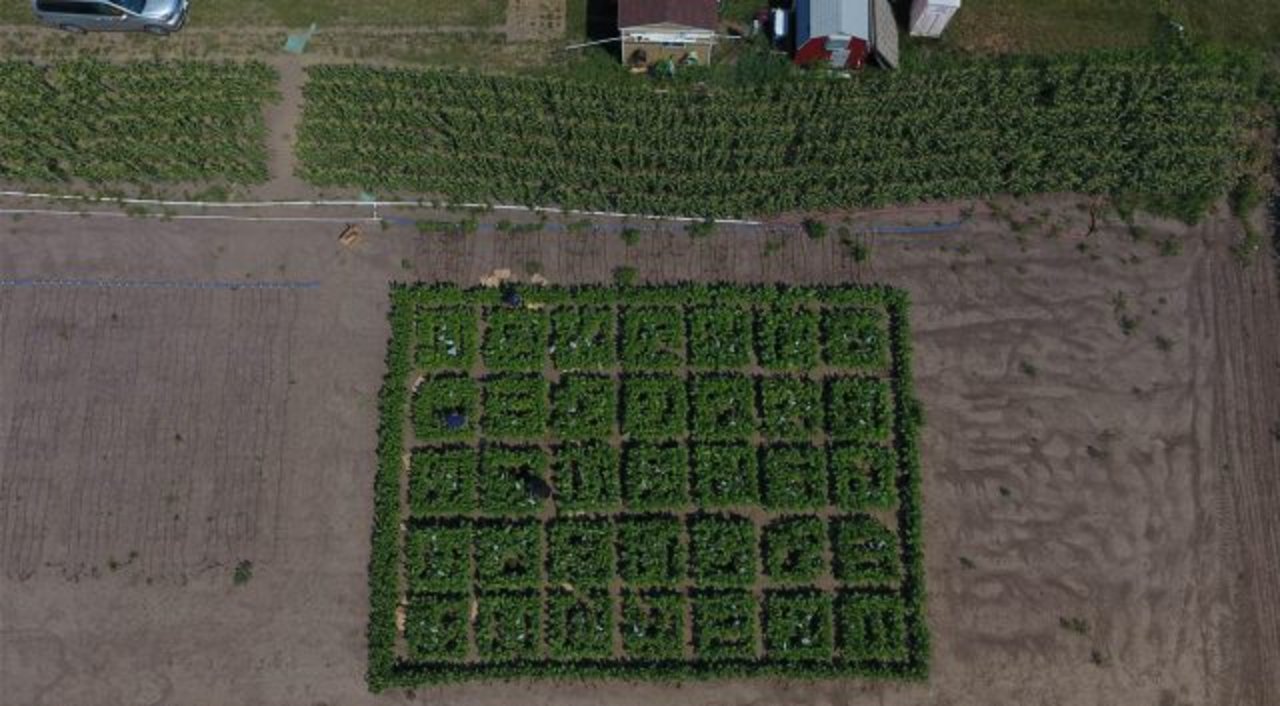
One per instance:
(845, 34)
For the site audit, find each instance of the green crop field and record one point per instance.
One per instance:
(690, 481)
(140, 122)
(1166, 127)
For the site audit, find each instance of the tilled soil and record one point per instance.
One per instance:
(1099, 455)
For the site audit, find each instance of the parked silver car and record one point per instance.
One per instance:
(80, 16)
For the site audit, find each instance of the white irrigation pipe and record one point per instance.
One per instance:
(371, 204)
(183, 217)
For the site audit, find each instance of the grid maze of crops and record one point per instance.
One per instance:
(650, 483)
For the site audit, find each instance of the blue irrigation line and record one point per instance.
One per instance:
(917, 230)
(158, 284)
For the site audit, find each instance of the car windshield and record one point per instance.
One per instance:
(134, 6)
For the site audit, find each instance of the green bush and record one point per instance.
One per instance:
(719, 337)
(794, 477)
(725, 624)
(855, 338)
(654, 407)
(652, 337)
(515, 407)
(863, 477)
(653, 624)
(655, 477)
(651, 550)
(871, 627)
(510, 479)
(723, 407)
(508, 625)
(790, 408)
(580, 551)
(438, 557)
(515, 340)
(441, 396)
(797, 625)
(508, 554)
(446, 338)
(725, 475)
(579, 624)
(858, 409)
(794, 549)
(787, 338)
(587, 476)
(865, 552)
(583, 338)
(436, 626)
(722, 550)
(443, 481)
(584, 407)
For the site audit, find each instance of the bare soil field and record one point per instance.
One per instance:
(1099, 455)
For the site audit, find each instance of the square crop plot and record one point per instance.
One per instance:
(663, 483)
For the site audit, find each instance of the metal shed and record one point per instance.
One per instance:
(845, 33)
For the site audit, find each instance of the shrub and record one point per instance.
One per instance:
(724, 624)
(508, 553)
(655, 477)
(855, 338)
(794, 549)
(865, 552)
(515, 340)
(814, 228)
(725, 475)
(511, 479)
(443, 481)
(515, 407)
(652, 337)
(582, 338)
(586, 477)
(436, 400)
(871, 627)
(436, 626)
(438, 557)
(790, 408)
(797, 625)
(508, 625)
(653, 624)
(787, 338)
(654, 407)
(580, 552)
(858, 409)
(719, 337)
(651, 550)
(795, 477)
(723, 407)
(579, 624)
(863, 477)
(584, 407)
(722, 549)
(446, 338)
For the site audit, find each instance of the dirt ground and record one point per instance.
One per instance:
(1099, 456)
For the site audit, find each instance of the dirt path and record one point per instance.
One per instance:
(283, 118)
(1246, 330)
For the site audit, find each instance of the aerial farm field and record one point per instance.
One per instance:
(968, 398)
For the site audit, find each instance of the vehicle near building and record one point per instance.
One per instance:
(159, 17)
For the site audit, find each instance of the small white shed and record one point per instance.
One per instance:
(930, 17)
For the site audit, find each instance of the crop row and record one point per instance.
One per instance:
(579, 624)
(139, 122)
(657, 407)
(652, 338)
(595, 477)
(1157, 124)
(707, 550)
